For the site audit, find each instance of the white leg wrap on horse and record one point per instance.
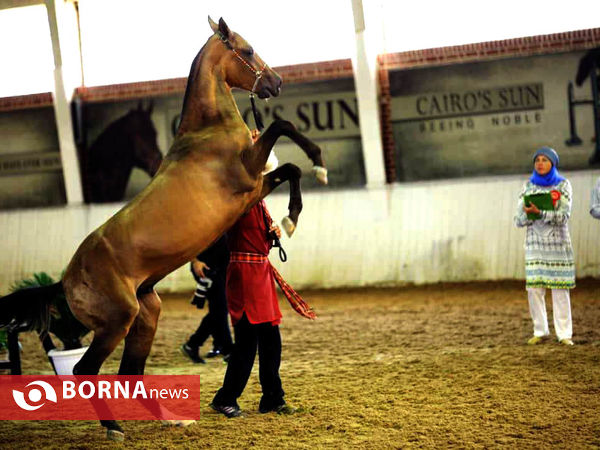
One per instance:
(115, 435)
(320, 174)
(288, 226)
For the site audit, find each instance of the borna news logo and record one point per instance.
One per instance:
(146, 397)
(35, 395)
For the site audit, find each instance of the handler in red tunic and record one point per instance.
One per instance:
(250, 280)
(255, 314)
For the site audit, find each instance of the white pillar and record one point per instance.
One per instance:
(364, 65)
(64, 31)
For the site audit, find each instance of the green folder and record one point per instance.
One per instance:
(542, 201)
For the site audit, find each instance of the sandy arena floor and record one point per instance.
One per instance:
(439, 366)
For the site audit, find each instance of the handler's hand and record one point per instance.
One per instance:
(531, 209)
(275, 229)
(199, 268)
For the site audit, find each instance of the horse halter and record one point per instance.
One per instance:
(257, 73)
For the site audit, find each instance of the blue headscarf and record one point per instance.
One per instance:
(551, 178)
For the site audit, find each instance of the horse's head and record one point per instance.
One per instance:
(242, 67)
(146, 154)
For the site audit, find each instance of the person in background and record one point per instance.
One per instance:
(549, 262)
(595, 201)
(210, 270)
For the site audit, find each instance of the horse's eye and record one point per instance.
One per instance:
(249, 52)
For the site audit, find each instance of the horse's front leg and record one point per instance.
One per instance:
(292, 173)
(256, 157)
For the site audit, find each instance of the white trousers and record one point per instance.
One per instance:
(561, 308)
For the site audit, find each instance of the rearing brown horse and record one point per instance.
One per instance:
(209, 178)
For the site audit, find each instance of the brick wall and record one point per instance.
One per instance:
(527, 46)
(25, 102)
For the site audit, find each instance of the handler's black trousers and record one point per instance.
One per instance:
(215, 323)
(248, 338)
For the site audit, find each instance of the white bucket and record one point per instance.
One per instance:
(65, 360)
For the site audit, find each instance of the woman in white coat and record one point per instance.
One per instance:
(549, 262)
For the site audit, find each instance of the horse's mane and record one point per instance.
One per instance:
(190, 78)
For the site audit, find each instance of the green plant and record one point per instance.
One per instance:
(63, 323)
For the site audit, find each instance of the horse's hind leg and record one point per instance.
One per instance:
(291, 173)
(138, 344)
(106, 339)
(103, 344)
(110, 326)
(141, 335)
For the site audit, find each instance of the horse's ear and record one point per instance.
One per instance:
(213, 25)
(224, 29)
(150, 107)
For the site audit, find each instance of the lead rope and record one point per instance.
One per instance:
(256, 113)
(273, 236)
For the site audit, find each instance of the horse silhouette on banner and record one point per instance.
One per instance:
(128, 142)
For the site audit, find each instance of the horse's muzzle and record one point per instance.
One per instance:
(269, 85)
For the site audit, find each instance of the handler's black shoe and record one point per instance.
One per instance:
(192, 353)
(213, 353)
(228, 411)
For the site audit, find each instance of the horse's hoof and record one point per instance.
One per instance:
(177, 423)
(288, 226)
(320, 174)
(115, 435)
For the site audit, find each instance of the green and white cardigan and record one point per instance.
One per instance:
(549, 261)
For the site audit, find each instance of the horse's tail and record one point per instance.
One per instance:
(29, 308)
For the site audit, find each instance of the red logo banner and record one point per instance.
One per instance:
(102, 397)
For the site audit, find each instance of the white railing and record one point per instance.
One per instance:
(426, 232)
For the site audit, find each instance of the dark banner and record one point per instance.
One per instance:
(487, 118)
